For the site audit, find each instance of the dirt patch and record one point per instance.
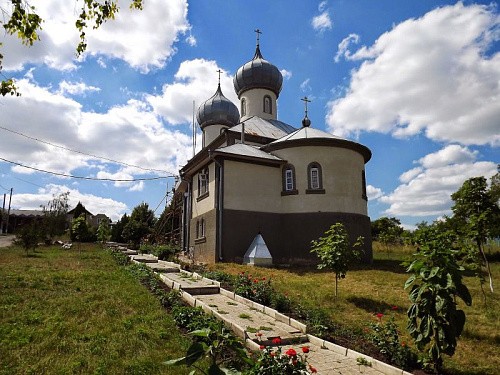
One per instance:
(6, 240)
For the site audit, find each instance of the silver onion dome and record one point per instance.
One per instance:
(258, 73)
(218, 110)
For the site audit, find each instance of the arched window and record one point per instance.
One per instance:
(289, 182)
(314, 179)
(268, 106)
(243, 107)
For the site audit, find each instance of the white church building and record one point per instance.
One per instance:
(258, 175)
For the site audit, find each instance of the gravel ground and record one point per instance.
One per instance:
(6, 240)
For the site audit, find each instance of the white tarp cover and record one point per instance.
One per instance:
(258, 254)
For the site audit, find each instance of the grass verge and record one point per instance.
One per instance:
(64, 312)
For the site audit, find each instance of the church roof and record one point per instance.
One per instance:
(218, 110)
(273, 129)
(307, 136)
(246, 150)
(258, 73)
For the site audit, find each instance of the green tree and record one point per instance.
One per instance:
(141, 223)
(335, 251)
(23, 21)
(434, 321)
(54, 216)
(104, 231)
(28, 236)
(477, 214)
(387, 230)
(117, 229)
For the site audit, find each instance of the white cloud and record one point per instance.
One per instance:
(195, 80)
(305, 86)
(76, 88)
(144, 39)
(95, 204)
(373, 192)
(426, 189)
(286, 74)
(130, 133)
(343, 47)
(322, 22)
(432, 74)
(191, 40)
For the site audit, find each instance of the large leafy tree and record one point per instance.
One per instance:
(141, 223)
(23, 21)
(387, 230)
(335, 251)
(477, 214)
(117, 229)
(54, 216)
(434, 321)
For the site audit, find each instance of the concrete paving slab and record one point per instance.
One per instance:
(145, 258)
(130, 252)
(192, 284)
(252, 320)
(164, 267)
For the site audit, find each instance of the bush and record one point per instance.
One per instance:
(386, 337)
(257, 290)
(163, 252)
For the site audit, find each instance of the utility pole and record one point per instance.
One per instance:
(8, 212)
(3, 214)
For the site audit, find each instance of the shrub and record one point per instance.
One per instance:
(163, 252)
(386, 337)
(257, 290)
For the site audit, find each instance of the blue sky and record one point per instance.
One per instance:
(418, 82)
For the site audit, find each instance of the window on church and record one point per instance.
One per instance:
(314, 179)
(268, 107)
(203, 182)
(289, 184)
(200, 228)
(243, 107)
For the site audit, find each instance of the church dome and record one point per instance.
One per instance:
(218, 110)
(258, 73)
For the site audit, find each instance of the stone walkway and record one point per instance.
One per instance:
(246, 318)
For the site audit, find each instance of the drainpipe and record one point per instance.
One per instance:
(219, 205)
(187, 218)
(242, 133)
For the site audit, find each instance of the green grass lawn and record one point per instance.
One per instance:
(376, 288)
(62, 312)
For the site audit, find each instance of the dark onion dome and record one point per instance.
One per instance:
(218, 110)
(258, 73)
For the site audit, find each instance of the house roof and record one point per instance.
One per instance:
(25, 213)
(258, 126)
(306, 133)
(246, 150)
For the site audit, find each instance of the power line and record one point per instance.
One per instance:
(84, 153)
(85, 178)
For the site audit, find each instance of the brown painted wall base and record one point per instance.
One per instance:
(288, 236)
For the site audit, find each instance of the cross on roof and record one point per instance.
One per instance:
(258, 32)
(219, 71)
(305, 100)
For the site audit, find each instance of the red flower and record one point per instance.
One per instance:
(379, 316)
(313, 369)
(291, 352)
(403, 344)
(305, 349)
(262, 347)
(272, 354)
(394, 308)
(256, 280)
(277, 341)
(294, 362)
(263, 279)
(258, 334)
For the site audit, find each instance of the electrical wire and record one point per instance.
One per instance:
(86, 178)
(84, 153)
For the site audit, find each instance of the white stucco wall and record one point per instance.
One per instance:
(255, 104)
(211, 132)
(208, 203)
